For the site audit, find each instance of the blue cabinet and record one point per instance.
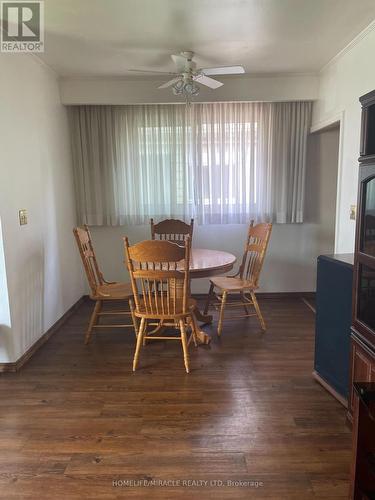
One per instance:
(333, 322)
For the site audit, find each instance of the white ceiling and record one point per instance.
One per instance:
(107, 37)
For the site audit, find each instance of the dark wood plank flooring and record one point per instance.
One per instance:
(75, 418)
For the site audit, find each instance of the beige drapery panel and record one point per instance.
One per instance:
(219, 162)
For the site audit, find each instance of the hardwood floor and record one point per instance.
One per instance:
(76, 419)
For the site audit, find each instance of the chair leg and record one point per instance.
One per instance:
(257, 309)
(134, 319)
(140, 335)
(244, 302)
(93, 320)
(210, 292)
(184, 345)
(194, 327)
(220, 325)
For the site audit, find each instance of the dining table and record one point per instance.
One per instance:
(205, 263)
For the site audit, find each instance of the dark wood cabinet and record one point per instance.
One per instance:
(363, 462)
(367, 145)
(364, 260)
(362, 367)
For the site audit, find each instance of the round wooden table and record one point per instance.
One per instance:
(204, 264)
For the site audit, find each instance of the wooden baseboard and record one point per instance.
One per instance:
(16, 365)
(306, 300)
(330, 389)
(272, 295)
(349, 418)
(286, 295)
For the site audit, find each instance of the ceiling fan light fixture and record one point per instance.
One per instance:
(178, 87)
(187, 73)
(191, 88)
(188, 89)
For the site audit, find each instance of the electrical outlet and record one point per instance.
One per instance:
(353, 212)
(22, 214)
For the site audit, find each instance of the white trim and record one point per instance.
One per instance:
(330, 389)
(349, 46)
(158, 77)
(319, 127)
(327, 122)
(339, 178)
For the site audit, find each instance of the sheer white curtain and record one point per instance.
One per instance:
(249, 161)
(130, 163)
(220, 163)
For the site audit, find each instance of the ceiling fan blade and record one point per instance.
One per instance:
(224, 70)
(209, 82)
(170, 83)
(151, 71)
(180, 62)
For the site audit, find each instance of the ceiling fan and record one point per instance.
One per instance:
(187, 74)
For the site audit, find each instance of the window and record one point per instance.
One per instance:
(219, 163)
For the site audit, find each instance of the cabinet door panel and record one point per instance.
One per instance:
(368, 224)
(363, 368)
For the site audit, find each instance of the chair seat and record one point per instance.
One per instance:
(113, 291)
(142, 311)
(232, 284)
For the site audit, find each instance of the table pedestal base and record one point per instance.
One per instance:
(203, 318)
(201, 336)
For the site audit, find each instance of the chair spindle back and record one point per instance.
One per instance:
(90, 264)
(159, 272)
(172, 230)
(255, 251)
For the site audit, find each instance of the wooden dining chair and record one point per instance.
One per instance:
(172, 230)
(245, 282)
(101, 290)
(159, 272)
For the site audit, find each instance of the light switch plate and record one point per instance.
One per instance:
(22, 214)
(353, 212)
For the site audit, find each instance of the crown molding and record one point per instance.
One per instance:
(365, 32)
(44, 65)
(38, 59)
(157, 78)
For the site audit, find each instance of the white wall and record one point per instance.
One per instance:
(290, 264)
(243, 88)
(289, 267)
(350, 75)
(42, 265)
